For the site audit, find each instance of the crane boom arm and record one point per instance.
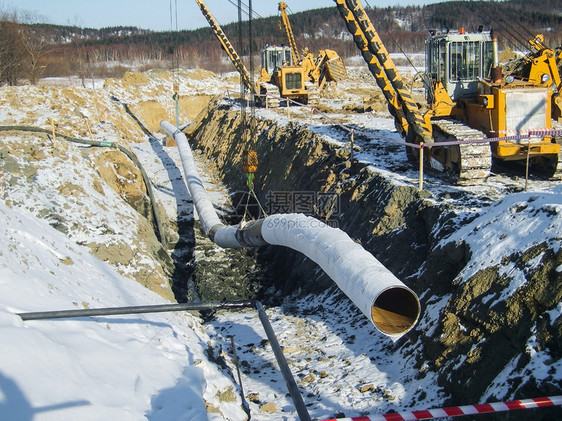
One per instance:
(289, 31)
(374, 44)
(227, 46)
(375, 68)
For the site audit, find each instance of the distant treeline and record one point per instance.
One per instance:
(68, 50)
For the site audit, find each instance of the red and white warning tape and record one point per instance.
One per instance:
(454, 411)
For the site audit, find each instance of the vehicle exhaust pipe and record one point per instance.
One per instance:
(497, 70)
(390, 305)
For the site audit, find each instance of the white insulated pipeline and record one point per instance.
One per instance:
(390, 305)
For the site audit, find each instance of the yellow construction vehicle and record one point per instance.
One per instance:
(280, 75)
(262, 91)
(327, 66)
(468, 99)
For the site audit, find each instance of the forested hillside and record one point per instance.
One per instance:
(30, 51)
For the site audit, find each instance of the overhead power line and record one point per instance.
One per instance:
(246, 9)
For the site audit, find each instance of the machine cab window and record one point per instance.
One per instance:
(273, 57)
(458, 60)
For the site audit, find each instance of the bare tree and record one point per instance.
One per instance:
(11, 49)
(37, 47)
(36, 43)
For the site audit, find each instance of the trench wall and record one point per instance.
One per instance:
(394, 222)
(401, 227)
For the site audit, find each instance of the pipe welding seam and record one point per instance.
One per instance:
(390, 305)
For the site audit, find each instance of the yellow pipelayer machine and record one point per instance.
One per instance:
(283, 73)
(469, 98)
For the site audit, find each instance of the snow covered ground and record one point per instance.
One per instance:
(121, 367)
(157, 366)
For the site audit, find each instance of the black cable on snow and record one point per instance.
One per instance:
(158, 228)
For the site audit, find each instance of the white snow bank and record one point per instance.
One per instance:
(512, 224)
(121, 367)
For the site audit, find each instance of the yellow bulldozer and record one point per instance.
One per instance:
(469, 98)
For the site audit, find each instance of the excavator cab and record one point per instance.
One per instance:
(458, 59)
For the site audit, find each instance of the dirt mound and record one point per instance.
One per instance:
(38, 163)
(198, 74)
(474, 327)
(193, 105)
(135, 79)
(121, 112)
(151, 114)
(508, 55)
(121, 174)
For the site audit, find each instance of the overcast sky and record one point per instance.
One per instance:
(155, 14)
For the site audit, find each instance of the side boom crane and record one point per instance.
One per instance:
(421, 128)
(227, 46)
(469, 99)
(327, 66)
(289, 31)
(278, 76)
(413, 123)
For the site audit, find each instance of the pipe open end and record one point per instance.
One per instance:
(395, 311)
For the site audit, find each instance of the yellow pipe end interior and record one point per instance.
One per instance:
(395, 311)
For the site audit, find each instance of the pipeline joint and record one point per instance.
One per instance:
(213, 231)
(249, 234)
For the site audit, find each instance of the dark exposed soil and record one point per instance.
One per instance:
(397, 224)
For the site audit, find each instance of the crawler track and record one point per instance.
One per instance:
(273, 97)
(313, 97)
(463, 164)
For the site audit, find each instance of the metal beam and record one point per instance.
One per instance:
(160, 308)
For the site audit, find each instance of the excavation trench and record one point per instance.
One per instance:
(407, 231)
(390, 305)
